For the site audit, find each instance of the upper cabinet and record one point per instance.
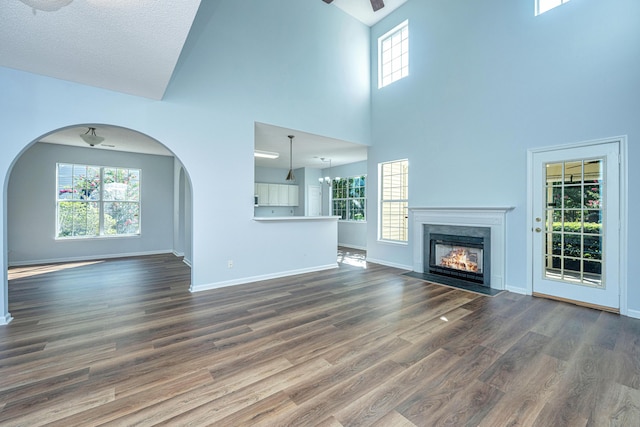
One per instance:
(276, 194)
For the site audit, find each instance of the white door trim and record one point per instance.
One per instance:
(624, 195)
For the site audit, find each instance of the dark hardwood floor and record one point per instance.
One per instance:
(123, 342)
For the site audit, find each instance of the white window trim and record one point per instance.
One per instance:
(366, 185)
(380, 41)
(101, 203)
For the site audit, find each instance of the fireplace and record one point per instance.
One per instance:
(460, 254)
(487, 223)
(457, 256)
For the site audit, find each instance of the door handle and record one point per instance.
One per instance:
(538, 229)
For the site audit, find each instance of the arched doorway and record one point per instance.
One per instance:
(32, 194)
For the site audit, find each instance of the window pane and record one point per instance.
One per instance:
(340, 208)
(121, 218)
(121, 184)
(78, 219)
(65, 182)
(356, 209)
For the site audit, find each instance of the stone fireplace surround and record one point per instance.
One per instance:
(491, 217)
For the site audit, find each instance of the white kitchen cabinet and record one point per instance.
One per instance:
(293, 195)
(262, 191)
(276, 194)
(283, 195)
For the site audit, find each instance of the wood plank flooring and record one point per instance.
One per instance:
(123, 342)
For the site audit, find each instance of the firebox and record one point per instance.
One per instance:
(457, 256)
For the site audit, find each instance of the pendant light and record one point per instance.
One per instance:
(290, 176)
(91, 138)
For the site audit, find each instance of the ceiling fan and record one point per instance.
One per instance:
(375, 4)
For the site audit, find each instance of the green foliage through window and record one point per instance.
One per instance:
(97, 201)
(349, 198)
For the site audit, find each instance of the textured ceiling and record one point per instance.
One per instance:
(122, 45)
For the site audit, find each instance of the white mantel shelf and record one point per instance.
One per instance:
(493, 217)
(295, 218)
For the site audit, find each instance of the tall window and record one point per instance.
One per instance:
(349, 197)
(393, 55)
(544, 5)
(394, 200)
(95, 201)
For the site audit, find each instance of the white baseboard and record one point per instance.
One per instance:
(6, 319)
(187, 262)
(390, 264)
(633, 313)
(86, 258)
(244, 280)
(517, 290)
(346, 245)
(178, 254)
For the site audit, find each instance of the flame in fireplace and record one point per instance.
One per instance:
(458, 258)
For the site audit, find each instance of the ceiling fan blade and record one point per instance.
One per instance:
(376, 4)
(327, 1)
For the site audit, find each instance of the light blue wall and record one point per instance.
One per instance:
(284, 62)
(182, 213)
(487, 82)
(32, 210)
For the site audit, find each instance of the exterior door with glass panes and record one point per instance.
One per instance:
(576, 224)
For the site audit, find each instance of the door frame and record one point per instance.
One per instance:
(624, 195)
(310, 189)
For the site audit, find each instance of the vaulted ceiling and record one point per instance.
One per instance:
(122, 45)
(133, 47)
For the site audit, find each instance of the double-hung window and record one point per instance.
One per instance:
(97, 201)
(394, 200)
(349, 198)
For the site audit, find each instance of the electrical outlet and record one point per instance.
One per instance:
(230, 264)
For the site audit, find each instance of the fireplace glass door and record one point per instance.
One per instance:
(456, 257)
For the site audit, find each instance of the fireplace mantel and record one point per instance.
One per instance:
(492, 217)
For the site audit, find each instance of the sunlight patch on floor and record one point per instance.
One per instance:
(353, 257)
(35, 270)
